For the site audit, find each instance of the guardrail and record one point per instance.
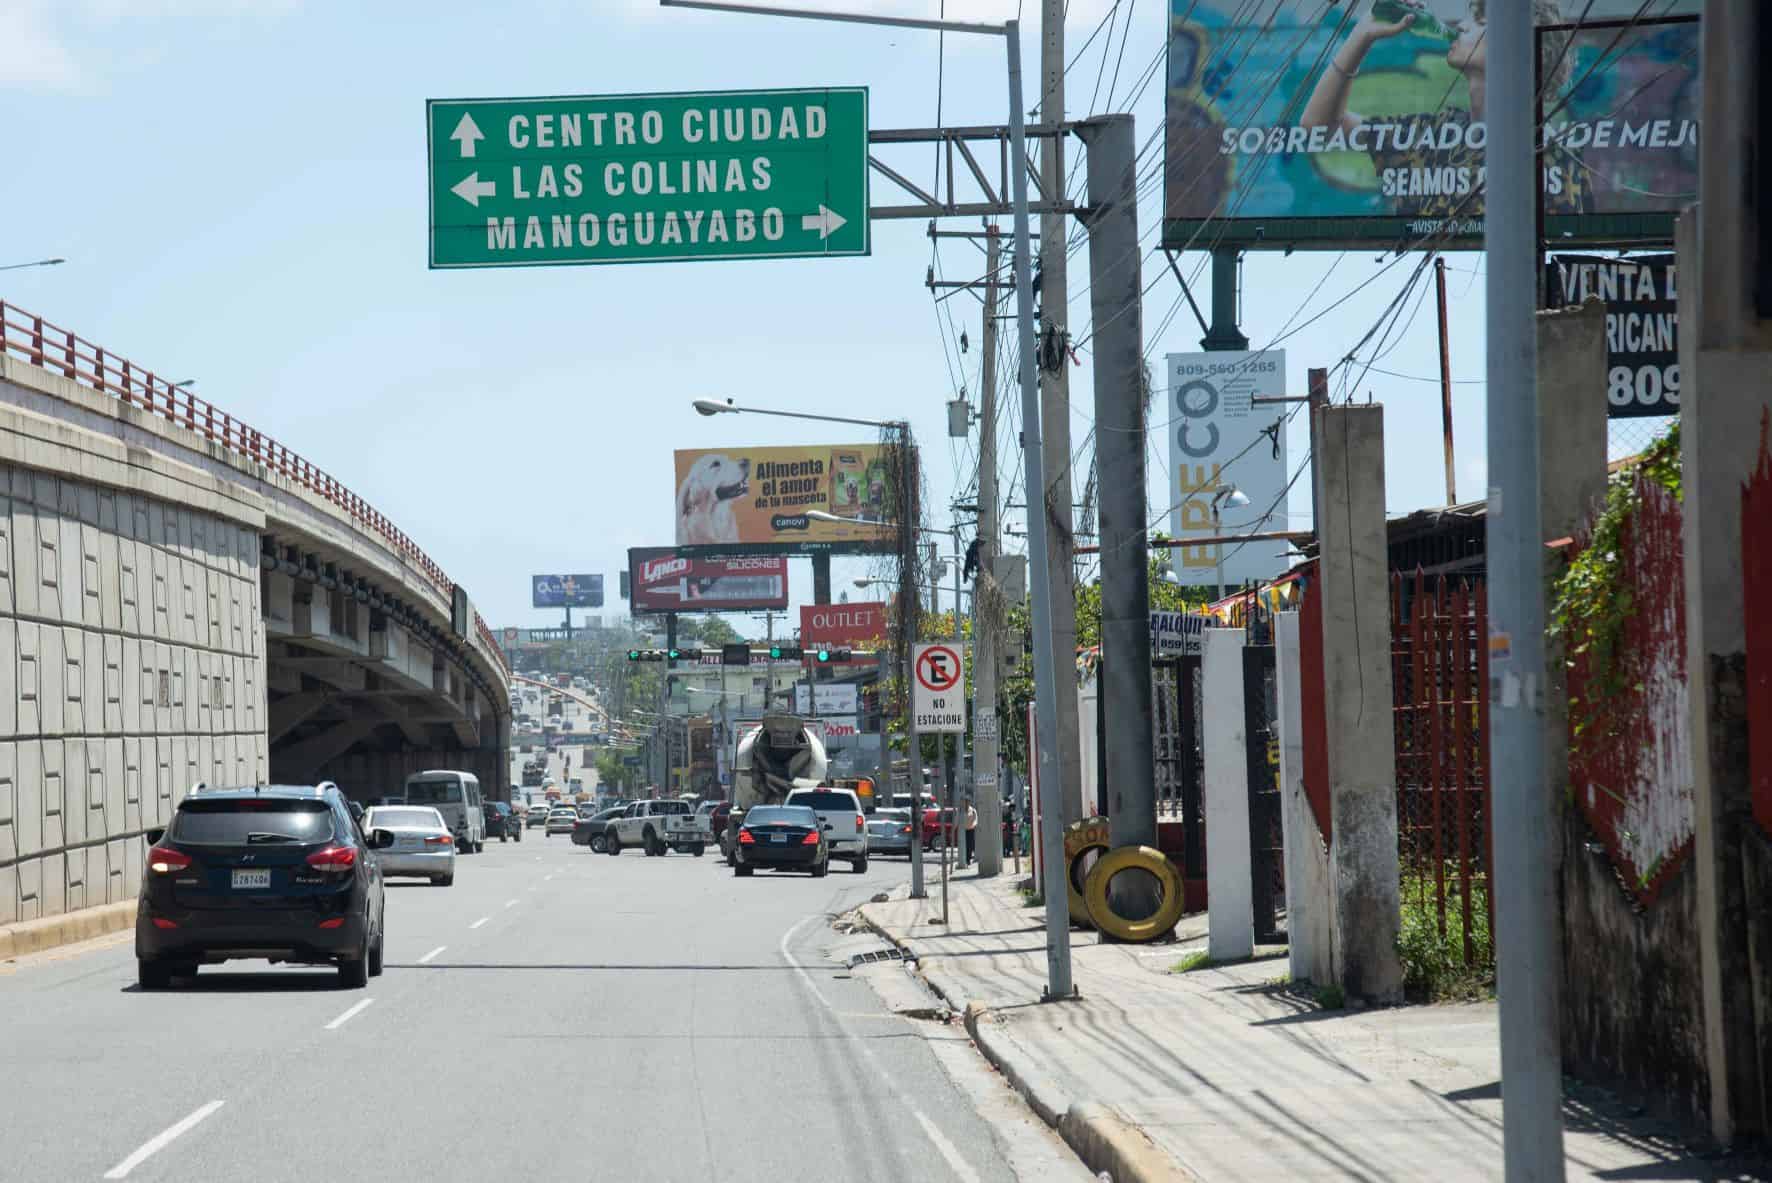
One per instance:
(29, 337)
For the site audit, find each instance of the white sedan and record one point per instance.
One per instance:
(423, 846)
(561, 819)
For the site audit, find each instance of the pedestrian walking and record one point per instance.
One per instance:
(971, 840)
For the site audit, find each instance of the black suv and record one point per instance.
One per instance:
(502, 821)
(281, 872)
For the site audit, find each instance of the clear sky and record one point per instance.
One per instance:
(239, 189)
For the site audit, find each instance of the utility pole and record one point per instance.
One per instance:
(910, 607)
(1116, 291)
(986, 598)
(1527, 958)
(1445, 380)
(1051, 355)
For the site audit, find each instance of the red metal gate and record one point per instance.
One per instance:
(1440, 665)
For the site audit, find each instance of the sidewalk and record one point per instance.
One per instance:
(1232, 1074)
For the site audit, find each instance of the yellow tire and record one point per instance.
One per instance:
(1133, 858)
(1081, 837)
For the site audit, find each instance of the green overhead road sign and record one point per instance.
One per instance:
(650, 178)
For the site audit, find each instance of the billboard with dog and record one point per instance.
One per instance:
(750, 500)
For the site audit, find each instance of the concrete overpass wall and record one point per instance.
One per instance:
(132, 656)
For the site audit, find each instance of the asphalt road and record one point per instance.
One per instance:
(556, 1014)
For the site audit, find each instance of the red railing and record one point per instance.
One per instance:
(1439, 669)
(60, 351)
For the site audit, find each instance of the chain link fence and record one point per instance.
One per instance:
(1630, 437)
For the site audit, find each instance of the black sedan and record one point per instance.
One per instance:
(281, 872)
(591, 831)
(502, 822)
(785, 837)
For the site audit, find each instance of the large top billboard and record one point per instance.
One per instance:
(1222, 443)
(738, 500)
(1346, 124)
(566, 591)
(664, 580)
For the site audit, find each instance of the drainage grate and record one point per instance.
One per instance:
(876, 955)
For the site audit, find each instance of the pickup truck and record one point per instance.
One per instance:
(657, 827)
(840, 816)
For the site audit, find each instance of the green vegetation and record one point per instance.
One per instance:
(1434, 968)
(1591, 600)
(1330, 997)
(1199, 959)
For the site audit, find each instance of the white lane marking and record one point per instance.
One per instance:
(962, 1169)
(349, 1015)
(159, 1141)
(426, 959)
(478, 923)
(547, 879)
(510, 903)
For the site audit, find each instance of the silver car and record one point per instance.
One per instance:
(889, 831)
(423, 846)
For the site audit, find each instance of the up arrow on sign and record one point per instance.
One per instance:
(467, 133)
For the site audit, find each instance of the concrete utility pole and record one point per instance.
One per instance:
(1115, 295)
(909, 608)
(1525, 886)
(986, 598)
(1055, 415)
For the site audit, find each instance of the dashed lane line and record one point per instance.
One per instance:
(160, 1141)
(478, 923)
(350, 1014)
(426, 959)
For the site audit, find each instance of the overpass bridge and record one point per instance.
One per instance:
(182, 600)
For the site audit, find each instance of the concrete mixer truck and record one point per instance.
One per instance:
(775, 755)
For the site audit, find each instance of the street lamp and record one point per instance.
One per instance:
(33, 263)
(707, 406)
(1233, 498)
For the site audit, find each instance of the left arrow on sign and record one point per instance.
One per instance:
(471, 189)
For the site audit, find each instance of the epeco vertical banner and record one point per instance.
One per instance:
(1222, 443)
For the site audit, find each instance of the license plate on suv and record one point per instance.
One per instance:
(259, 877)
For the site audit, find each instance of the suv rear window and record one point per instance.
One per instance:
(827, 799)
(230, 823)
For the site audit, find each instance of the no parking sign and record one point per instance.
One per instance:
(939, 699)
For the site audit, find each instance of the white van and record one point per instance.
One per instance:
(455, 795)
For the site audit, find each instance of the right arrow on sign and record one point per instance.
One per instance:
(826, 221)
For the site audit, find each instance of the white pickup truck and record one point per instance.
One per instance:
(659, 826)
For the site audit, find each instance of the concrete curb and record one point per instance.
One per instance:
(34, 936)
(1103, 1139)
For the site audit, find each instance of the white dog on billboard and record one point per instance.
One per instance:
(704, 500)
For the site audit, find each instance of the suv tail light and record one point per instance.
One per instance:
(163, 860)
(337, 859)
(810, 839)
(904, 829)
(746, 838)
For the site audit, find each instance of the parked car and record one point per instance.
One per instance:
(785, 837)
(561, 819)
(938, 823)
(423, 846)
(593, 831)
(839, 813)
(889, 831)
(280, 872)
(502, 821)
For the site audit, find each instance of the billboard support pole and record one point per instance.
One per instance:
(1224, 333)
(1527, 952)
(1116, 303)
(985, 594)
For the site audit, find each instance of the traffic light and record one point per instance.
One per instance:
(826, 656)
(787, 652)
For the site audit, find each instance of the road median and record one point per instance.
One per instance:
(82, 924)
